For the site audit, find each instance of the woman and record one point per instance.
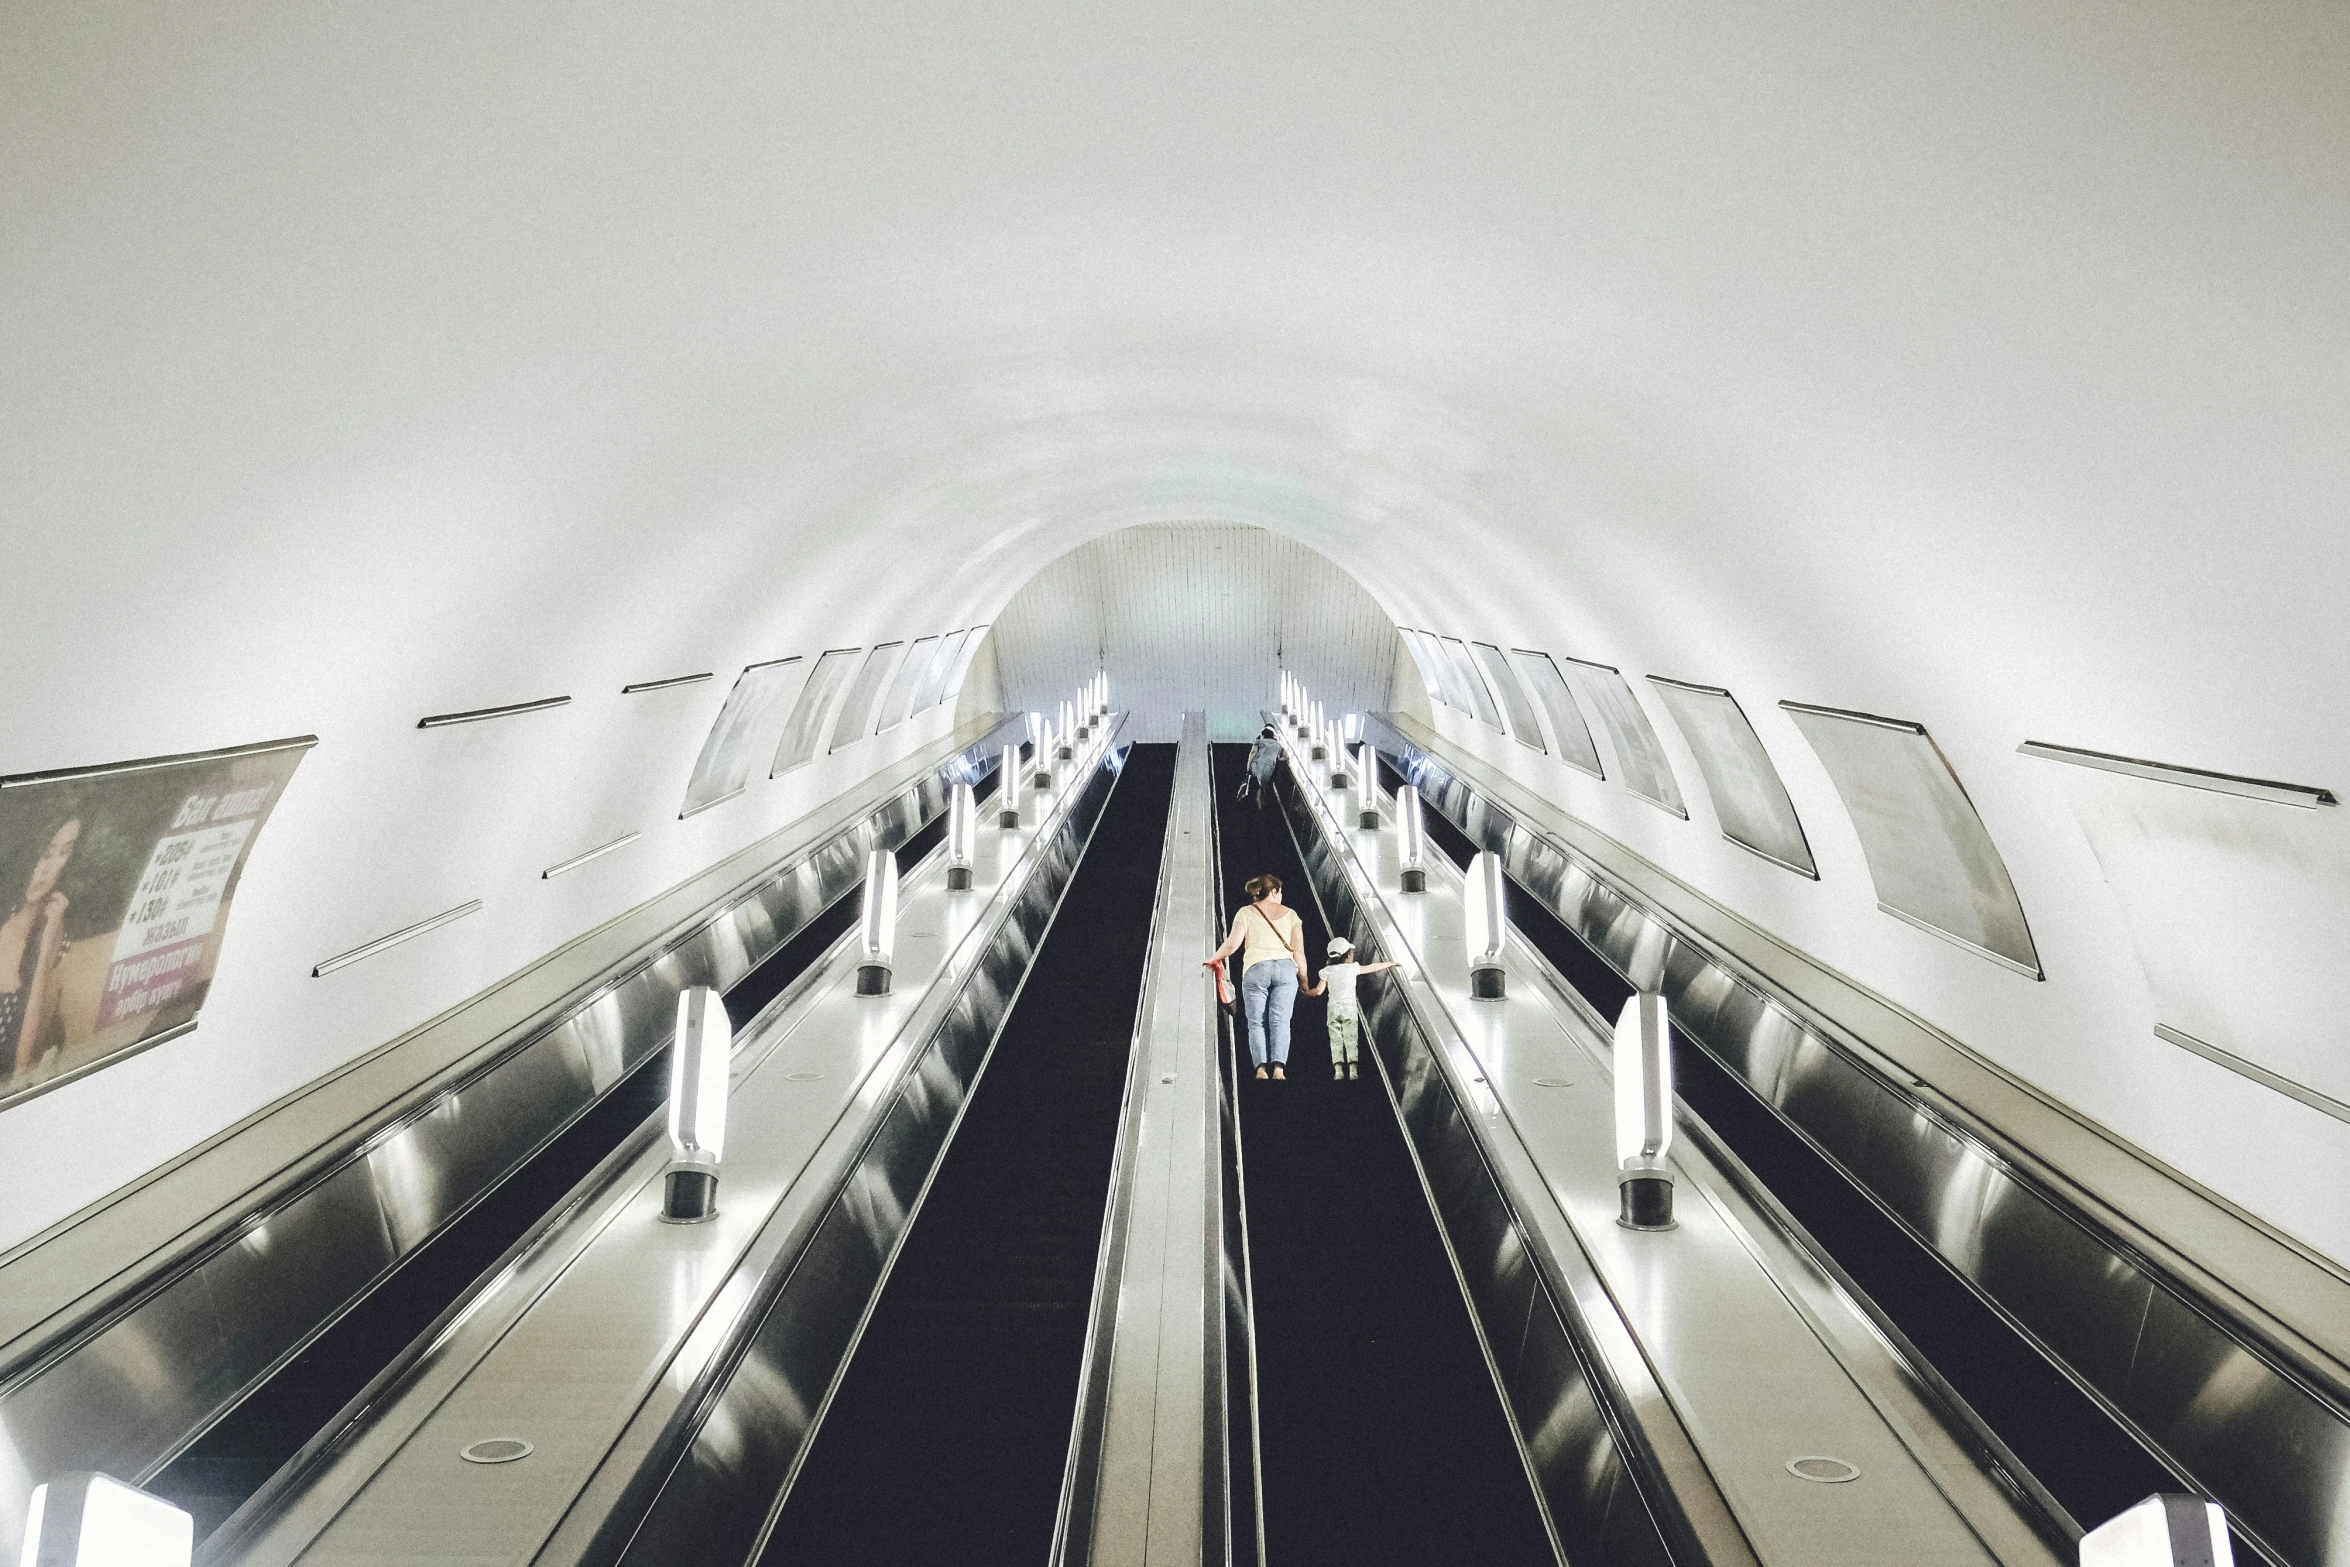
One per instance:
(32, 939)
(1272, 942)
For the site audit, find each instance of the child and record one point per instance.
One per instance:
(1338, 978)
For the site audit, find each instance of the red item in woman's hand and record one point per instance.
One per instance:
(1223, 982)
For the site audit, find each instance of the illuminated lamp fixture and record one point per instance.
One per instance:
(1338, 774)
(1485, 926)
(2165, 1530)
(1352, 727)
(1314, 732)
(699, 1057)
(1067, 732)
(1007, 798)
(85, 1519)
(1044, 758)
(1036, 732)
(962, 836)
(1101, 693)
(877, 924)
(1366, 797)
(1411, 840)
(1644, 1113)
(1285, 693)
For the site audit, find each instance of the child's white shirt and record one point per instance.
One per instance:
(1339, 979)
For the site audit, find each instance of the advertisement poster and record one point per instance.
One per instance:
(115, 886)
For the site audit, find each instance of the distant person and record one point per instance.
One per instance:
(1272, 944)
(1264, 759)
(1346, 1013)
(32, 940)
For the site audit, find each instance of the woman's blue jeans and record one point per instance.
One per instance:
(1269, 991)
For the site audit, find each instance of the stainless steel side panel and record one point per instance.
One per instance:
(2200, 1385)
(1148, 1477)
(136, 1383)
(701, 1478)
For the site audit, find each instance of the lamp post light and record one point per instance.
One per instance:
(1644, 1113)
(1411, 840)
(1007, 782)
(877, 924)
(1036, 732)
(1366, 796)
(1315, 730)
(962, 836)
(86, 1519)
(2164, 1530)
(1044, 759)
(699, 1056)
(1067, 747)
(1485, 926)
(1338, 772)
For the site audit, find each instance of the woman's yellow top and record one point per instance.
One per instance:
(1265, 938)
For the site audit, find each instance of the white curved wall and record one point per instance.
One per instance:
(1983, 366)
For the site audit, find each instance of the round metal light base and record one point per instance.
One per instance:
(1647, 1202)
(1007, 819)
(1414, 881)
(1488, 984)
(1064, 753)
(1369, 817)
(872, 979)
(958, 878)
(1043, 778)
(1320, 753)
(1339, 780)
(689, 1196)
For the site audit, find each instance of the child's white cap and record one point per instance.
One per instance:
(1339, 947)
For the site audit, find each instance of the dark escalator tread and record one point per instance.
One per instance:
(1384, 1438)
(946, 1440)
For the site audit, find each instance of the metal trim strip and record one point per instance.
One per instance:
(2325, 1104)
(368, 949)
(144, 763)
(2305, 796)
(642, 686)
(478, 714)
(582, 858)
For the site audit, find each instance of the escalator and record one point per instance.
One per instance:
(236, 1457)
(1383, 1437)
(946, 1438)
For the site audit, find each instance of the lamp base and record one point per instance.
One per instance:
(689, 1195)
(1042, 780)
(1488, 984)
(1368, 817)
(958, 878)
(1007, 819)
(1320, 753)
(1339, 780)
(1647, 1202)
(1064, 753)
(1414, 881)
(872, 979)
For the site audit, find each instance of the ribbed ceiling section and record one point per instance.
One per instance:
(1195, 615)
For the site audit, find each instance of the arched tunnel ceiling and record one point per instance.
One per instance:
(1987, 366)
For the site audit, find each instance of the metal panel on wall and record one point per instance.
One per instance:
(724, 767)
(1933, 863)
(1525, 728)
(1472, 684)
(803, 732)
(1748, 796)
(1428, 661)
(856, 713)
(1195, 615)
(1640, 759)
(1567, 728)
(912, 672)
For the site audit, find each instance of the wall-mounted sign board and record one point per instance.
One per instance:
(115, 886)
(1931, 859)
